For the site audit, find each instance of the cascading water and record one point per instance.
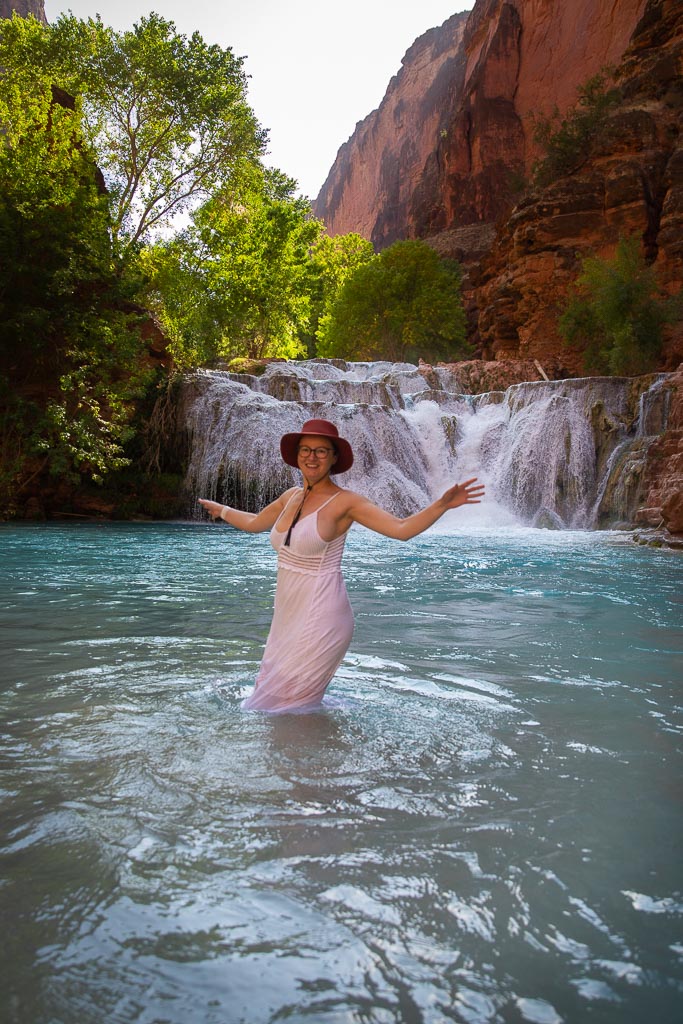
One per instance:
(557, 454)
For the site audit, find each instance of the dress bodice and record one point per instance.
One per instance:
(307, 551)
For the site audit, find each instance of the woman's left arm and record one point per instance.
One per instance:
(362, 511)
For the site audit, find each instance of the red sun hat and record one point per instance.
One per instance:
(289, 444)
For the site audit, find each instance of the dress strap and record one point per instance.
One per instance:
(328, 501)
(287, 504)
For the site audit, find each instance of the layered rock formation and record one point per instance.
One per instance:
(377, 174)
(630, 184)
(512, 59)
(480, 376)
(453, 132)
(663, 478)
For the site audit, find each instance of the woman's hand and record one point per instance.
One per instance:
(212, 507)
(463, 494)
(252, 522)
(359, 510)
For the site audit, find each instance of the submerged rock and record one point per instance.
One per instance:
(547, 519)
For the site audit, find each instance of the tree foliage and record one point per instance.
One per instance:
(401, 305)
(333, 260)
(614, 313)
(236, 283)
(69, 362)
(166, 115)
(567, 141)
(106, 137)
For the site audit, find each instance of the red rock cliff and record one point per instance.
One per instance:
(631, 183)
(377, 173)
(23, 8)
(453, 130)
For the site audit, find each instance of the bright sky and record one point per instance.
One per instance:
(317, 68)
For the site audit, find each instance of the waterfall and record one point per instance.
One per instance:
(563, 454)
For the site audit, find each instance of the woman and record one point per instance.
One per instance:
(312, 621)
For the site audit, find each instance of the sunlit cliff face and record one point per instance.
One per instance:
(454, 130)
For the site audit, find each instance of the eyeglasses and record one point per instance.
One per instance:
(320, 453)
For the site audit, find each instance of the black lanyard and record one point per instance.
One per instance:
(295, 520)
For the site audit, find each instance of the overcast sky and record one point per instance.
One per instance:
(316, 68)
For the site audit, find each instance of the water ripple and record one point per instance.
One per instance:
(482, 825)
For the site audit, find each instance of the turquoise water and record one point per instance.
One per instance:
(485, 826)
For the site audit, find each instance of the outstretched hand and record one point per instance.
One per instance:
(469, 493)
(214, 508)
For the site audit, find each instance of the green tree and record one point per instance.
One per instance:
(614, 313)
(166, 119)
(332, 261)
(165, 115)
(403, 304)
(568, 141)
(70, 361)
(236, 282)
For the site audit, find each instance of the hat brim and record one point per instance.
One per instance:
(289, 446)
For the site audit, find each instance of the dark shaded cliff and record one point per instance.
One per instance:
(631, 183)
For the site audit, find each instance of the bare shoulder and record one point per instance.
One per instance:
(349, 502)
(346, 499)
(287, 495)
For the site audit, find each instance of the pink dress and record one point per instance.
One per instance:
(312, 621)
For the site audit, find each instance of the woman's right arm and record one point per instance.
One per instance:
(252, 522)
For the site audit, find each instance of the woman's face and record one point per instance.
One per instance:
(315, 463)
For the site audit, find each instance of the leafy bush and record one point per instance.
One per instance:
(403, 304)
(333, 260)
(568, 141)
(614, 313)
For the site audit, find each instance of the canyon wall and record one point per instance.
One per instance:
(522, 246)
(452, 136)
(448, 157)
(24, 8)
(378, 172)
(630, 183)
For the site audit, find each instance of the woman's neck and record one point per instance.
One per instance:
(321, 486)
